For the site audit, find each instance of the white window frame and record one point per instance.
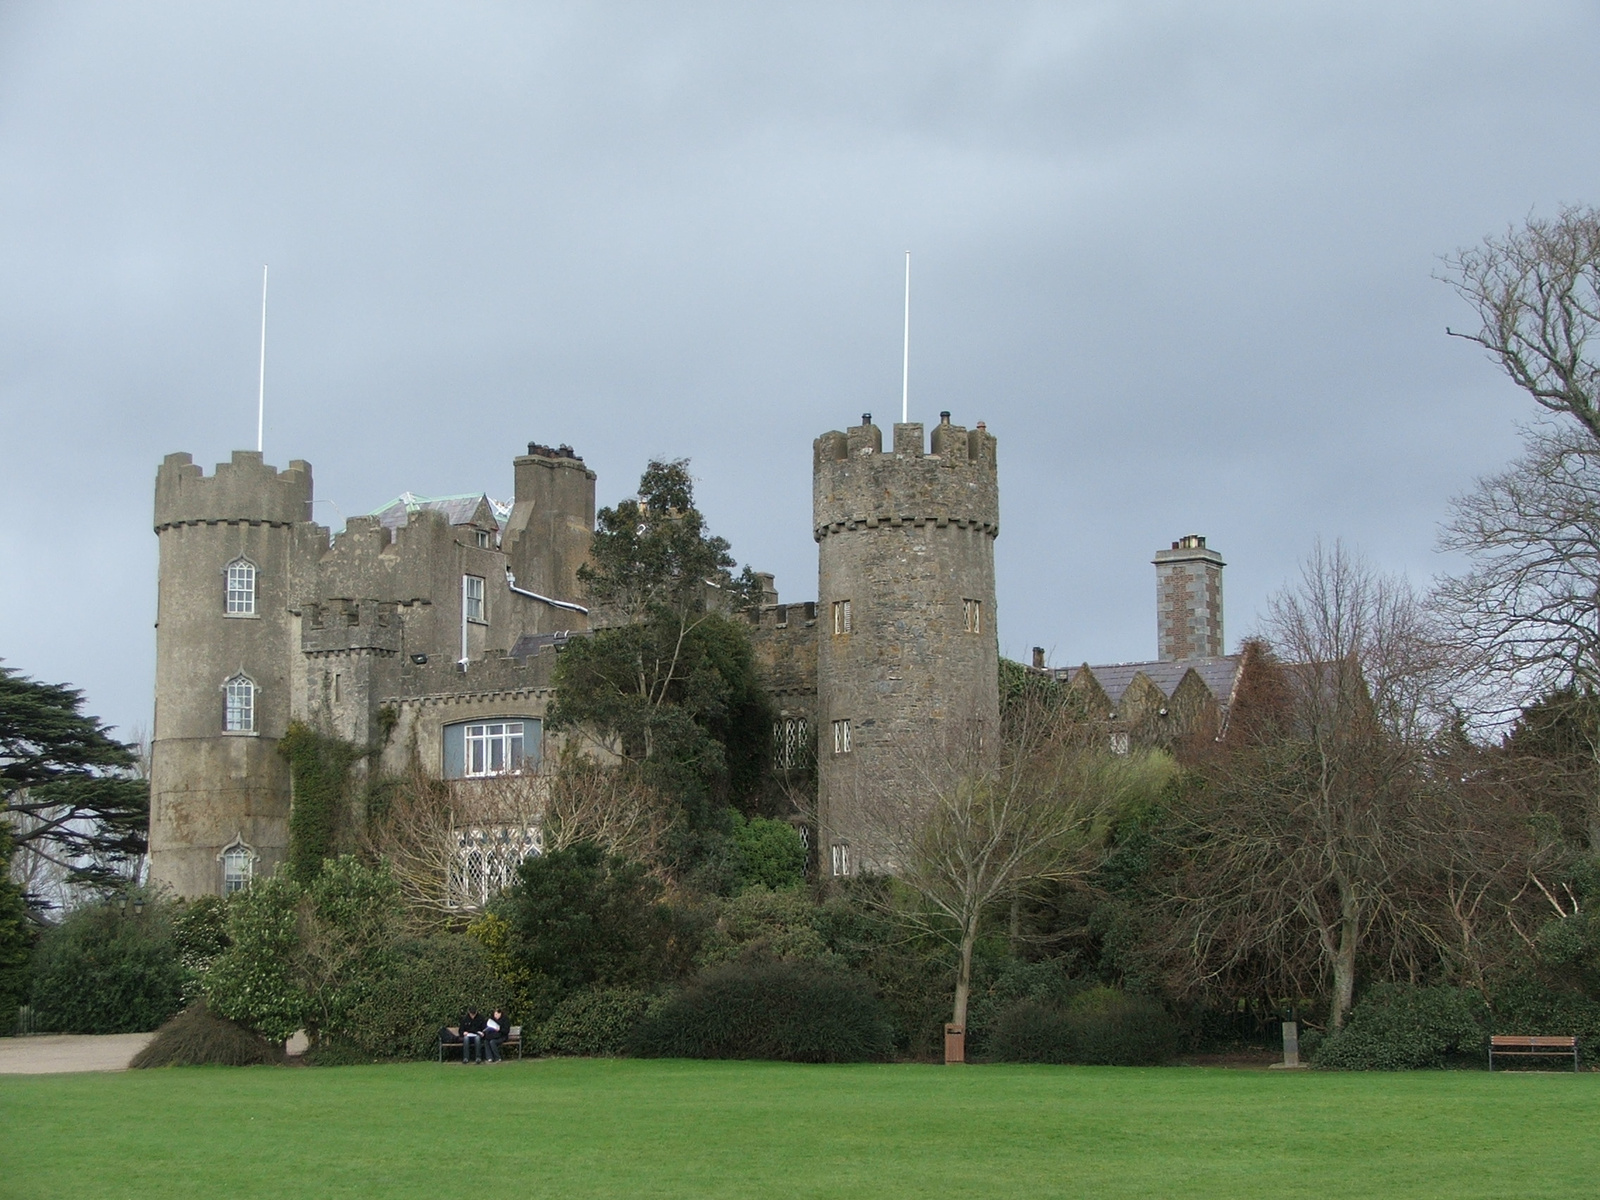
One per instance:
(841, 617)
(841, 858)
(239, 695)
(1120, 742)
(239, 584)
(482, 538)
(486, 862)
(973, 610)
(488, 748)
(841, 736)
(474, 600)
(238, 866)
(792, 744)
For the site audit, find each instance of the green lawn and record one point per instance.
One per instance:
(694, 1129)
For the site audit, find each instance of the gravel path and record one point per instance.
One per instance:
(56, 1053)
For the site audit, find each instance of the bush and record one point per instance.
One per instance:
(428, 984)
(100, 971)
(581, 918)
(771, 854)
(1103, 1026)
(306, 955)
(197, 1038)
(1401, 1028)
(761, 925)
(593, 1024)
(788, 1011)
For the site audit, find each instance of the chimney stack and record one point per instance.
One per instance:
(1188, 600)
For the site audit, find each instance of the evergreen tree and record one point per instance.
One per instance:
(67, 786)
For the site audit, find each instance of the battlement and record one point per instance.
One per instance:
(951, 482)
(244, 490)
(342, 624)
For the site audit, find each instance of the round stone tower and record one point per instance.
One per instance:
(908, 660)
(219, 790)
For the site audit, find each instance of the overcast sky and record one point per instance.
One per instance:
(1180, 257)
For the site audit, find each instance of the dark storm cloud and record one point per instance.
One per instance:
(1178, 257)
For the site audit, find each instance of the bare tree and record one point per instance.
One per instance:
(985, 821)
(1524, 620)
(431, 829)
(1537, 293)
(1295, 846)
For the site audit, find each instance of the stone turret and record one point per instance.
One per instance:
(547, 536)
(224, 644)
(907, 657)
(1188, 600)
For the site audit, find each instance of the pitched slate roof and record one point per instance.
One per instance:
(1218, 674)
(457, 509)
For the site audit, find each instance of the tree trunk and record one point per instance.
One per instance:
(1344, 962)
(969, 937)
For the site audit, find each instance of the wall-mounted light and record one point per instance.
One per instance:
(420, 659)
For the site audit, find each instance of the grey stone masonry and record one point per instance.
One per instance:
(907, 654)
(1188, 600)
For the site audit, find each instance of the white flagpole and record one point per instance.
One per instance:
(905, 366)
(261, 396)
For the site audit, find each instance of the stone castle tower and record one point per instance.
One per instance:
(907, 654)
(224, 643)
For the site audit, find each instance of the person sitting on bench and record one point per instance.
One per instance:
(495, 1032)
(472, 1037)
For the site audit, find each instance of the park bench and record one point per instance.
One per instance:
(513, 1040)
(1522, 1046)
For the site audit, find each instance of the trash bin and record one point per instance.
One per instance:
(955, 1043)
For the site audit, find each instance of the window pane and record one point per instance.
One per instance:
(241, 592)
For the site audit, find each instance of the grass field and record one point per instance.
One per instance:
(556, 1128)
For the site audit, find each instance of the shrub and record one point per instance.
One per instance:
(788, 1011)
(101, 971)
(200, 932)
(305, 955)
(1398, 1028)
(581, 918)
(196, 1038)
(771, 854)
(593, 1024)
(762, 925)
(1103, 1026)
(1046, 981)
(428, 983)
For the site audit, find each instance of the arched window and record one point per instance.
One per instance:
(238, 867)
(239, 705)
(241, 592)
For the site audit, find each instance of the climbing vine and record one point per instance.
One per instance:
(319, 771)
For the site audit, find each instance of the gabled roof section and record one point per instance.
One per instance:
(461, 509)
(1218, 674)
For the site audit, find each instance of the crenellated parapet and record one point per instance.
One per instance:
(950, 480)
(244, 490)
(335, 626)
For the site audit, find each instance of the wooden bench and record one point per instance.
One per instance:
(1521, 1046)
(513, 1040)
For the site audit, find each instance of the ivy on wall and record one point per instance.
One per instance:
(319, 771)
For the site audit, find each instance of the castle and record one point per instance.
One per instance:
(432, 626)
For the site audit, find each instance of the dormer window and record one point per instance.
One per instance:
(240, 599)
(239, 705)
(482, 536)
